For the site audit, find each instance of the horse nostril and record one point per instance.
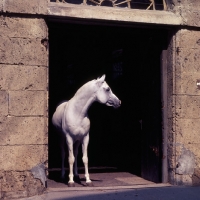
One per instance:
(120, 102)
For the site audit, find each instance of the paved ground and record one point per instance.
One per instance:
(117, 186)
(104, 179)
(150, 192)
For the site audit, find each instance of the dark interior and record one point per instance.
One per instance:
(120, 139)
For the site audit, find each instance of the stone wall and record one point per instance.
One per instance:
(23, 97)
(189, 10)
(184, 108)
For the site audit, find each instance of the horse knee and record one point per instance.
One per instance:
(71, 159)
(85, 159)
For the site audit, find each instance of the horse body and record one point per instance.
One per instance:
(71, 120)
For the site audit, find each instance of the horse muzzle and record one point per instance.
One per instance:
(114, 103)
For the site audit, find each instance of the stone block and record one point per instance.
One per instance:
(171, 102)
(187, 131)
(187, 61)
(186, 83)
(191, 3)
(17, 184)
(14, 77)
(183, 180)
(196, 177)
(23, 27)
(195, 149)
(3, 103)
(14, 195)
(23, 157)
(1, 10)
(191, 16)
(188, 107)
(26, 6)
(188, 39)
(23, 51)
(171, 130)
(27, 103)
(172, 162)
(23, 130)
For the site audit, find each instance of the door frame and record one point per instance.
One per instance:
(163, 75)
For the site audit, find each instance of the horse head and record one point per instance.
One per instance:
(105, 95)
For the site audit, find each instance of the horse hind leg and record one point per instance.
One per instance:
(63, 162)
(85, 160)
(76, 176)
(62, 144)
(70, 160)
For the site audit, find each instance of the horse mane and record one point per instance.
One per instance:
(86, 85)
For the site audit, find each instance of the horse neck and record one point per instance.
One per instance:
(83, 99)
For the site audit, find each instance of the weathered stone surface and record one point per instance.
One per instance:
(173, 151)
(1, 158)
(187, 131)
(27, 103)
(187, 60)
(191, 16)
(26, 6)
(23, 27)
(23, 157)
(171, 130)
(172, 162)
(20, 77)
(171, 102)
(23, 51)
(1, 6)
(113, 14)
(186, 83)
(188, 10)
(17, 184)
(186, 163)
(195, 148)
(187, 107)
(3, 103)
(196, 177)
(23, 130)
(188, 39)
(14, 195)
(183, 180)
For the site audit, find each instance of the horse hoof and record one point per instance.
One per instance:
(71, 184)
(89, 184)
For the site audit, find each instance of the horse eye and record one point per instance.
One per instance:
(107, 89)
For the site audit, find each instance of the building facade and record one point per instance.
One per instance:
(24, 85)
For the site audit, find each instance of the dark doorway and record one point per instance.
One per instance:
(127, 139)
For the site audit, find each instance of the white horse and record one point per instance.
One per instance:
(71, 120)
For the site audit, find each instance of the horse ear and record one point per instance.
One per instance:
(100, 80)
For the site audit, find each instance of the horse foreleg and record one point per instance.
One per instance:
(76, 145)
(70, 160)
(85, 159)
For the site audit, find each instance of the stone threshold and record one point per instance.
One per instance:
(156, 185)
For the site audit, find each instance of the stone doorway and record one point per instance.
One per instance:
(130, 58)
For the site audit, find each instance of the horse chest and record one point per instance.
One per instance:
(80, 127)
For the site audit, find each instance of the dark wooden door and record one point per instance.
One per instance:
(151, 120)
